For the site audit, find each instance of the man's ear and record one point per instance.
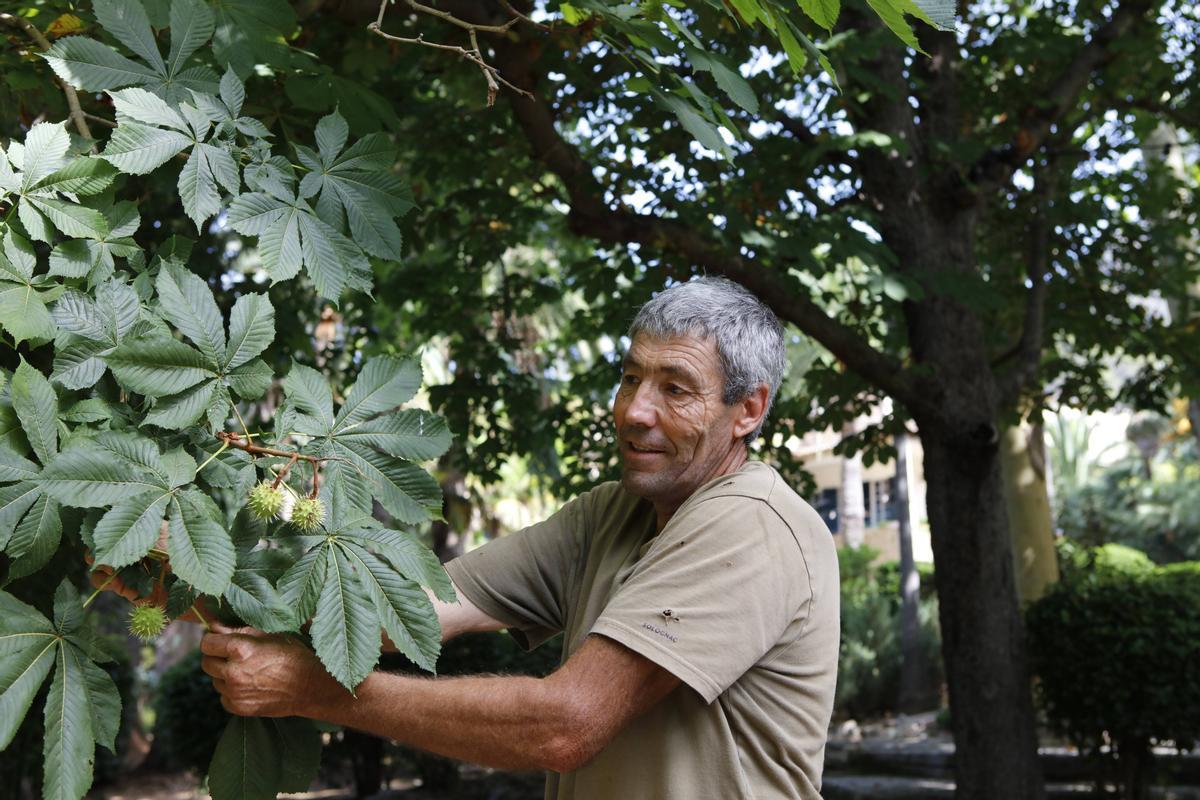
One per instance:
(750, 411)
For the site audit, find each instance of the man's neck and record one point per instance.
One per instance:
(665, 509)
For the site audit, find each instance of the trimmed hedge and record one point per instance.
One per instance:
(1116, 652)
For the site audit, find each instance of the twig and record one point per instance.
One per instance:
(99, 589)
(285, 469)
(77, 114)
(475, 55)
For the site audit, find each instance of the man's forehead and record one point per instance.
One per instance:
(676, 354)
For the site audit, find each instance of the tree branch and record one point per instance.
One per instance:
(591, 216)
(474, 54)
(1028, 351)
(995, 168)
(77, 115)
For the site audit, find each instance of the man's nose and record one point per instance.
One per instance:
(642, 410)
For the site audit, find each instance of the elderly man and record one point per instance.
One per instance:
(698, 596)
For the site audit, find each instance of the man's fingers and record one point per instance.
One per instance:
(215, 668)
(216, 644)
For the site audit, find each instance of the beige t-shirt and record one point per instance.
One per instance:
(737, 597)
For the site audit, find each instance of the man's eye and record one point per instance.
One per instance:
(629, 380)
(676, 390)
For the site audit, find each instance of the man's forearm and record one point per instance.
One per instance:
(504, 722)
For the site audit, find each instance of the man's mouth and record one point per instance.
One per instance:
(638, 449)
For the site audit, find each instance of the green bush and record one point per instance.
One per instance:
(1116, 652)
(870, 658)
(188, 718)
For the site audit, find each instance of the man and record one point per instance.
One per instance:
(699, 598)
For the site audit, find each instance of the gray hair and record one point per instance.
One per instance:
(749, 337)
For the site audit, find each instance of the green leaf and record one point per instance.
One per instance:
(89, 477)
(137, 149)
(71, 218)
(254, 213)
(251, 381)
(158, 366)
(246, 763)
(36, 538)
(92, 66)
(46, 147)
(15, 500)
(136, 450)
(404, 611)
(331, 134)
(233, 93)
(18, 259)
(822, 12)
(251, 329)
(414, 560)
(198, 187)
(70, 746)
(179, 467)
(74, 258)
(345, 629)
(178, 411)
(82, 176)
(191, 27)
(309, 391)
(256, 601)
(78, 365)
(408, 492)
(201, 551)
(301, 585)
(36, 404)
(189, 305)
(21, 626)
(892, 14)
(23, 313)
(384, 383)
(14, 467)
(21, 675)
(411, 434)
(939, 13)
(127, 21)
(129, 529)
(139, 105)
(299, 742)
(91, 410)
(104, 702)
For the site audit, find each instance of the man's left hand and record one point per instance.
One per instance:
(264, 675)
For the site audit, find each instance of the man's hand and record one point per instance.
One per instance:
(265, 675)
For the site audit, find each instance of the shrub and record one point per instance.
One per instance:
(1115, 652)
(870, 658)
(188, 718)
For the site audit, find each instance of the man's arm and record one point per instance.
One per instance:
(555, 723)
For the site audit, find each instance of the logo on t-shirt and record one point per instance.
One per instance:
(659, 631)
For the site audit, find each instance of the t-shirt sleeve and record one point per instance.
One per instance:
(713, 595)
(522, 579)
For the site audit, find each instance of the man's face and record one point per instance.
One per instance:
(674, 431)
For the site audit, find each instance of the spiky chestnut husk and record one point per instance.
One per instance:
(147, 621)
(265, 501)
(308, 514)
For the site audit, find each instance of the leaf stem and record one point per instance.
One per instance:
(207, 461)
(99, 589)
(200, 617)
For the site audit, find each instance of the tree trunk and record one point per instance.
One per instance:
(1023, 454)
(852, 511)
(912, 681)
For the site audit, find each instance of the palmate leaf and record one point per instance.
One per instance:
(36, 538)
(345, 628)
(128, 23)
(23, 312)
(15, 501)
(356, 186)
(253, 598)
(403, 608)
(409, 493)
(308, 391)
(292, 236)
(157, 366)
(411, 434)
(301, 585)
(82, 704)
